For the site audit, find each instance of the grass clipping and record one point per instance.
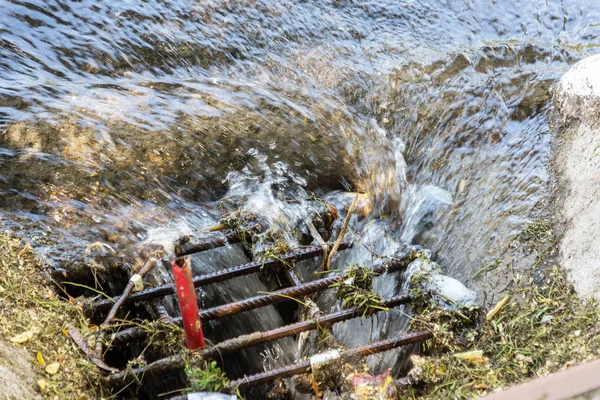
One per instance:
(355, 290)
(35, 319)
(540, 330)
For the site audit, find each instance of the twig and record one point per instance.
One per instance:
(150, 264)
(80, 342)
(214, 228)
(340, 237)
(317, 236)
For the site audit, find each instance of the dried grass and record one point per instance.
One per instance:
(36, 318)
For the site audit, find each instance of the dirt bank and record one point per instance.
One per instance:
(37, 359)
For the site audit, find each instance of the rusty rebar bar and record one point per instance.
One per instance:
(237, 307)
(299, 254)
(327, 320)
(252, 339)
(156, 367)
(161, 311)
(266, 299)
(304, 366)
(293, 277)
(284, 294)
(186, 245)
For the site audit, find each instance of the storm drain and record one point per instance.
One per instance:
(108, 337)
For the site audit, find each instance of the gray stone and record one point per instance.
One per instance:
(17, 377)
(577, 167)
(577, 94)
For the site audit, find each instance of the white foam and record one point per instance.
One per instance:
(452, 289)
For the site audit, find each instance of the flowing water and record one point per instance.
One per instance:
(126, 122)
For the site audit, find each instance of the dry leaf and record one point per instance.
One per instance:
(52, 368)
(40, 359)
(497, 307)
(469, 355)
(42, 384)
(475, 357)
(23, 337)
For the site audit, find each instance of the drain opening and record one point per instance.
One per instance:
(147, 359)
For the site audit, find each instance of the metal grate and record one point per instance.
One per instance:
(297, 289)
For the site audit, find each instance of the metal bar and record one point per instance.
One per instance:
(159, 366)
(183, 248)
(255, 338)
(284, 294)
(304, 366)
(266, 299)
(284, 372)
(185, 245)
(161, 311)
(251, 339)
(217, 276)
(188, 303)
(293, 277)
(239, 306)
(388, 344)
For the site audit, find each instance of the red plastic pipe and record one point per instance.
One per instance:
(188, 304)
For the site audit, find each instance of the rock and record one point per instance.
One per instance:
(446, 291)
(17, 377)
(577, 93)
(577, 166)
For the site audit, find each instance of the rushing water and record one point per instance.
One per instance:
(122, 115)
(123, 121)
